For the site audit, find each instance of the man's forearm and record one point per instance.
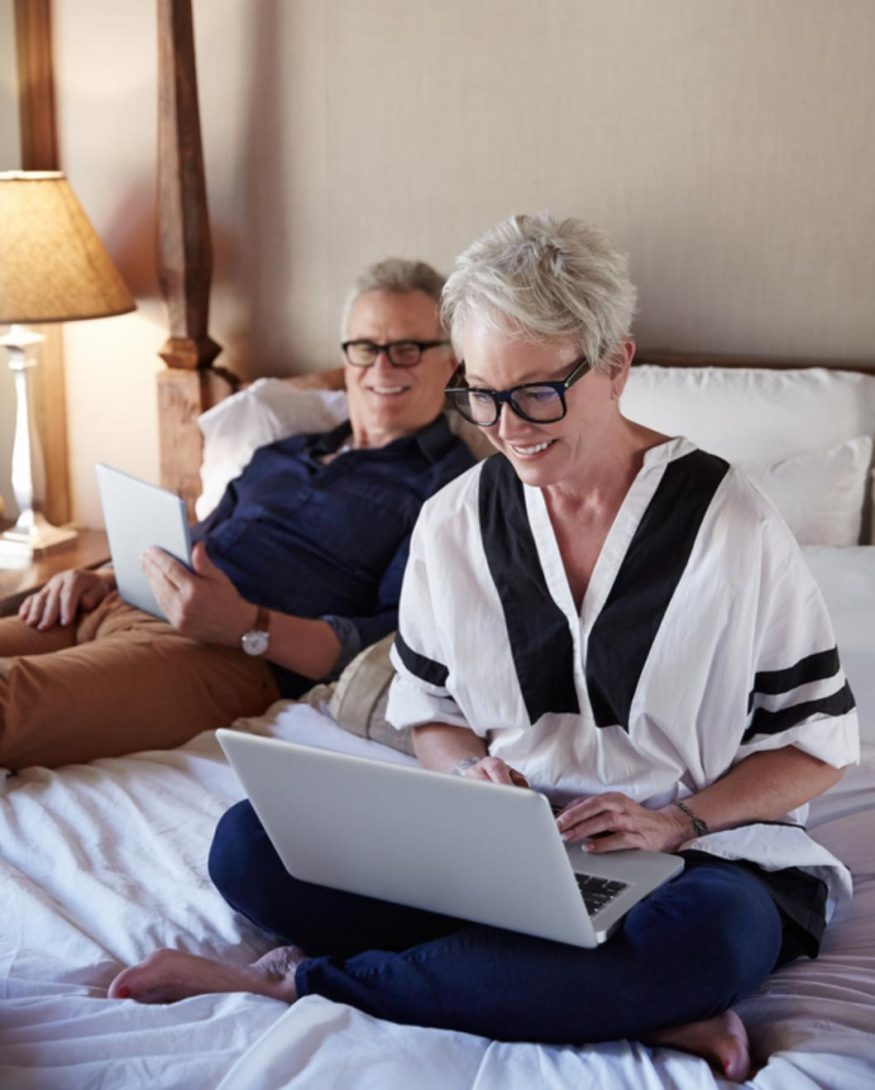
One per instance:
(441, 747)
(308, 647)
(763, 787)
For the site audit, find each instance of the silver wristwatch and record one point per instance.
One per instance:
(257, 640)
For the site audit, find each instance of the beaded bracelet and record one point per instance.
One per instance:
(462, 767)
(700, 827)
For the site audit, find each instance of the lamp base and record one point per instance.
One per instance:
(38, 538)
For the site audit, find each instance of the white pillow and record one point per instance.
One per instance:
(268, 410)
(753, 414)
(846, 578)
(819, 493)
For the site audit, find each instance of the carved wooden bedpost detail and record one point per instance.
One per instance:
(191, 384)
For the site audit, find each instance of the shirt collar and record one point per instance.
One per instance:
(433, 440)
(330, 442)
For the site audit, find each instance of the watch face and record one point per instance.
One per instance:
(255, 642)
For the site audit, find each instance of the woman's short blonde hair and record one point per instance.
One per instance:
(543, 278)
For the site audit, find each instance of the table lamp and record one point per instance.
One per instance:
(53, 268)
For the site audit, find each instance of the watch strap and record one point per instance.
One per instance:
(700, 827)
(256, 640)
(262, 619)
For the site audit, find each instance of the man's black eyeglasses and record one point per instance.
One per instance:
(537, 402)
(398, 353)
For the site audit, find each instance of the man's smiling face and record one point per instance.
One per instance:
(386, 402)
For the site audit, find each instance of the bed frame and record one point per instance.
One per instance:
(192, 382)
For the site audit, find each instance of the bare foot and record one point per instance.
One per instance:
(722, 1041)
(169, 975)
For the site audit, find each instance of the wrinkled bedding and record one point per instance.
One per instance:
(102, 863)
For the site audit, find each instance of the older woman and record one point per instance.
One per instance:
(613, 617)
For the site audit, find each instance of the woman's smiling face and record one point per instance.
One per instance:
(541, 454)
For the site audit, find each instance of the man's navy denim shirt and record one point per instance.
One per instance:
(314, 539)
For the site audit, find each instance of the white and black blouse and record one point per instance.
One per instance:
(702, 638)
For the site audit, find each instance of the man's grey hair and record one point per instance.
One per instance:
(540, 278)
(397, 275)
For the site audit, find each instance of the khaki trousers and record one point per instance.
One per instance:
(116, 681)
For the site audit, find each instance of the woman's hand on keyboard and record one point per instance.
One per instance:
(496, 771)
(611, 822)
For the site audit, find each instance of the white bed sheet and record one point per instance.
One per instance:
(105, 862)
(83, 902)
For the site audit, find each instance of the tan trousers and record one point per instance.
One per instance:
(116, 681)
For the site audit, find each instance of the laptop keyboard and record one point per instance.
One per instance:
(597, 892)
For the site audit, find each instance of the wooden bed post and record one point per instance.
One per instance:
(191, 384)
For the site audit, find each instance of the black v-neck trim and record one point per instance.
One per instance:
(540, 638)
(626, 627)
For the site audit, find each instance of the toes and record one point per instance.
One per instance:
(136, 981)
(119, 988)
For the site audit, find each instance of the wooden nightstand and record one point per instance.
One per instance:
(89, 550)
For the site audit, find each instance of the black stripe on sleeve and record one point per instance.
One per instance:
(773, 722)
(816, 667)
(654, 564)
(420, 666)
(540, 638)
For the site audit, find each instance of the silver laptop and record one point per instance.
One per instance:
(465, 848)
(137, 515)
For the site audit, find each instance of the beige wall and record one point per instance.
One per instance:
(10, 150)
(725, 143)
(106, 59)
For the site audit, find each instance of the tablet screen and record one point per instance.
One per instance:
(138, 515)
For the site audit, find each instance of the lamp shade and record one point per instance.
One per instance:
(53, 267)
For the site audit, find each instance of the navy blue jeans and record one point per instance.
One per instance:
(690, 950)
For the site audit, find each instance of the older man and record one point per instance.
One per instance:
(298, 567)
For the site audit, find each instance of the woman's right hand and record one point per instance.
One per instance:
(64, 595)
(494, 770)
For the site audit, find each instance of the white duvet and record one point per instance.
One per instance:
(102, 863)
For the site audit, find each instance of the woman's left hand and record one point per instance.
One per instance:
(615, 821)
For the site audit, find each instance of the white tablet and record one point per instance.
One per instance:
(137, 515)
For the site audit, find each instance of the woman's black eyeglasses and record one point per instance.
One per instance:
(537, 402)
(398, 353)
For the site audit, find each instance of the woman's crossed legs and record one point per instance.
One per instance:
(669, 976)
